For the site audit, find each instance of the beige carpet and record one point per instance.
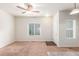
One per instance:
(33, 48)
(63, 53)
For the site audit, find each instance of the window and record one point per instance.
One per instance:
(70, 29)
(34, 29)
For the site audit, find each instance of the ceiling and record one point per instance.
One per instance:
(44, 8)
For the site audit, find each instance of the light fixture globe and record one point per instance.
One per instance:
(74, 11)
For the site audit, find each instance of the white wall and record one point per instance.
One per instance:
(7, 29)
(55, 28)
(22, 28)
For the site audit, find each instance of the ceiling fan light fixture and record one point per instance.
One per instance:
(28, 7)
(74, 11)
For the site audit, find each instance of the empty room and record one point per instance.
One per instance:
(39, 29)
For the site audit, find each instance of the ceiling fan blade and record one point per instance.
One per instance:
(36, 11)
(20, 7)
(23, 12)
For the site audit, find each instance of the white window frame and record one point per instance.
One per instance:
(73, 29)
(34, 29)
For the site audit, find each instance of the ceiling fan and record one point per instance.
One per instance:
(27, 8)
